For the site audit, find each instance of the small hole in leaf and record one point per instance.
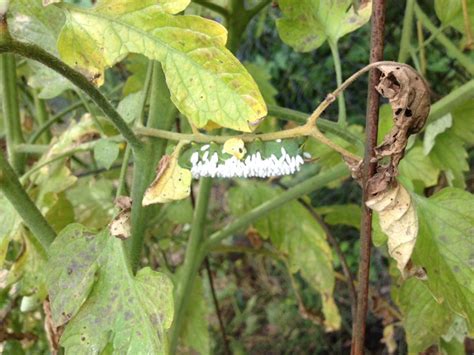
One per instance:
(399, 111)
(408, 112)
(398, 68)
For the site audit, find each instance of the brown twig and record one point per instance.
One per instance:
(340, 254)
(376, 54)
(216, 306)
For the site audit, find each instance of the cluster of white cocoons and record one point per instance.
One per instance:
(251, 166)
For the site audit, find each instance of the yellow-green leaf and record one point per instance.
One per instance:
(207, 83)
(307, 24)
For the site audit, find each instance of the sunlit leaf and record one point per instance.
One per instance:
(307, 24)
(294, 232)
(433, 129)
(207, 83)
(92, 286)
(451, 14)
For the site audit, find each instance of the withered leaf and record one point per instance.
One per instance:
(399, 221)
(120, 226)
(172, 182)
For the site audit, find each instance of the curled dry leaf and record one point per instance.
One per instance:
(399, 221)
(172, 182)
(408, 94)
(120, 226)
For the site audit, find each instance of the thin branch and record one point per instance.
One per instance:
(14, 192)
(376, 54)
(216, 306)
(312, 184)
(257, 8)
(214, 7)
(9, 45)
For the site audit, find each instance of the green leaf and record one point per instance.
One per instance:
(449, 155)
(433, 129)
(307, 24)
(137, 65)
(207, 83)
(47, 81)
(61, 213)
(416, 166)
(294, 232)
(106, 152)
(450, 13)
(130, 106)
(92, 200)
(445, 248)
(195, 332)
(425, 320)
(91, 284)
(463, 121)
(349, 215)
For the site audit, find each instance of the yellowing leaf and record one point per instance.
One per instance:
(307, 24)
(398, 221)
(206, 82)
(235, 147)
(172, 182)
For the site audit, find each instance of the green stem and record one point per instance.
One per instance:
(451, 49)
(455, 98)
(192, 261)
(41, 115)
(342, 120)
(45, 126)
(161, 116)
(23, 204)
(38, 54)
(214, 7)
(314, 183)
(11, 110)
(122, 183)
(407, 30)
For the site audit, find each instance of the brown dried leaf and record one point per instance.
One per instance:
(172, 182)
(120, 227)
(408, 94)
(398, 220)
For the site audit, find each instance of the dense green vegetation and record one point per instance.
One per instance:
(108, 246)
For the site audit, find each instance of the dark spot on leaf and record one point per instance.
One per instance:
(128, 315)
(408, 112)
(399, 111)
(83, 338)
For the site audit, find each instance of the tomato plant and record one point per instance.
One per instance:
(147, 170)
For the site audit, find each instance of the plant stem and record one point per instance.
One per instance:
(41, 116)
(259, 7)
(11, 110)
(214, 7)
(421, 40)
(451, 49)
(122, 183)
(192, 261)
(307, 186)
(455, 98)
(342, 120)
(467, 25)
(161, 115)
(34, 137)
(23, 204)
(407, 30)
(216, 306)
(368, 170)
(36, 53)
